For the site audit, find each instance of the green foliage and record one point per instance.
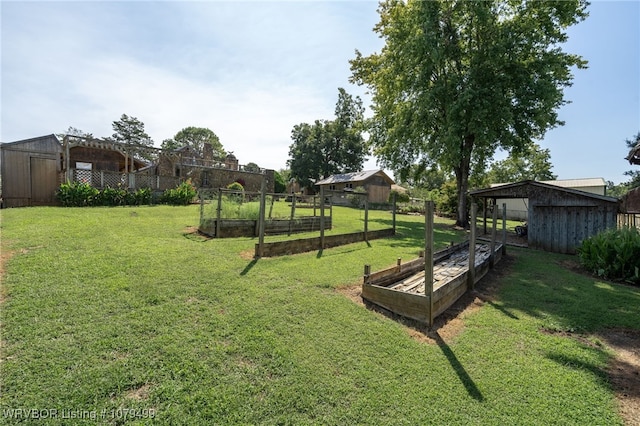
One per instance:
(446, 199)
(279, 184)
(251, 167)
(329, 147)
(533, 163)
(77, 194)
(130, 131)
(401, 197)
(456, 80)
(235, 186)
(196, 138)
(613, 254)
(182, 195)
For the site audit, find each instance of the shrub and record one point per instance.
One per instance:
(613, 254)
(182, 195)
(401, 197)
(77, 194)
(112, 197)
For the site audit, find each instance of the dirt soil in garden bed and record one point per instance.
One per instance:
(623, 369)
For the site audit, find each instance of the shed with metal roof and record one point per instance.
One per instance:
(558, 218)
(375, 182)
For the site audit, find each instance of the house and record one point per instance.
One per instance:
(376, 183)
(517, 208)
(558, 218)
(30, 171)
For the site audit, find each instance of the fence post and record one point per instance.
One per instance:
(201, 206)
(219, 213)
(293, 210)
(263, 207)
(494, 232)
(428, 256)
(366, 219)
(504, 228)
(321, 216)
(394, 214)
(472, 247)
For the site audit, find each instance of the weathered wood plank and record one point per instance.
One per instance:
(451, 281)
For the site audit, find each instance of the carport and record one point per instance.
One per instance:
(558, 218)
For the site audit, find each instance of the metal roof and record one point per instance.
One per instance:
(354, 177)
(568, 183)
(503, 191)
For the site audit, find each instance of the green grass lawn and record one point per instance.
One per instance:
(107, 309)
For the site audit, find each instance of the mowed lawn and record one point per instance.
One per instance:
(124, 315)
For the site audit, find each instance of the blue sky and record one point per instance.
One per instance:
(250, 71)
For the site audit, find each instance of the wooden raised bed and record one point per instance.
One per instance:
(401, 289)
(231, 228)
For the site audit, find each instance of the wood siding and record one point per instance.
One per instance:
(30, 171)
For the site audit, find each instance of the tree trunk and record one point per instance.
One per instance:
(462, 181)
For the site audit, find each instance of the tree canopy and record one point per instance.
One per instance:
(130, 131)
(195, 138)
(72, 131)
(533, 163)
(456, 80)
(328, 147)
(634, 175)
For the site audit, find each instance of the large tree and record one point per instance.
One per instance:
(458, 79)
(195, 138)
(328, 147)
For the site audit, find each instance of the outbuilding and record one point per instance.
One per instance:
(376, 183)
(558, 219)
(30, 171)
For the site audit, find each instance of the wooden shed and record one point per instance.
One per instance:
(375, 182)
(30, 171)
(558, 219)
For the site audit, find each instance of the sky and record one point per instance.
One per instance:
(251, 70)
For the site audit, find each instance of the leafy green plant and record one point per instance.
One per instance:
(613, 254)
(76, 194)
(182, 195)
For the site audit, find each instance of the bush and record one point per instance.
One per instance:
(182, 195)
(613, 254)
(77, 194)
(401, 197)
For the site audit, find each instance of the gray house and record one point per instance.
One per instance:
(558, 219)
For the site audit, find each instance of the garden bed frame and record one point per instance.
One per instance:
(427, 286)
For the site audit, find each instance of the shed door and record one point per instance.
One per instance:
(44, 181)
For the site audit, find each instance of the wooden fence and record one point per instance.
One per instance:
(281, 248)
(631, 220)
